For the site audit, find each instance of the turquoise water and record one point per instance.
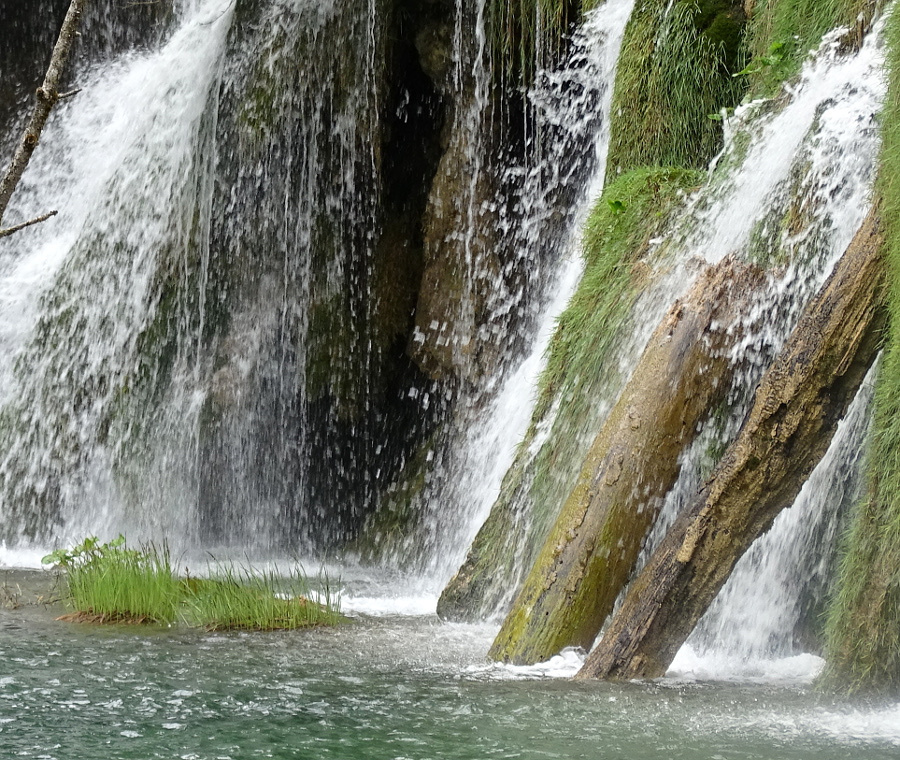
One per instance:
(384, 687)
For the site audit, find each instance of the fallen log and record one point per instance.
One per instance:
(634, 461)
(796, 409)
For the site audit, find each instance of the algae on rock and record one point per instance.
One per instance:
(863, 625)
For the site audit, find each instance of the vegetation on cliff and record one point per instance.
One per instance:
(576, 389)
(863, 628)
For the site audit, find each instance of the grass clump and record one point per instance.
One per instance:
(863, 623)
(673, 79)
(244, 599)
(110, 583)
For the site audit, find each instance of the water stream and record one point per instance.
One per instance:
(120, 308)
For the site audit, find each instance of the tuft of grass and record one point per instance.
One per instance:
(110, 583)
(863, 621)
(245, 599)
(673, 79)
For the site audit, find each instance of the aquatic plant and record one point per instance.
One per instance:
(246, 599)
(110, 583)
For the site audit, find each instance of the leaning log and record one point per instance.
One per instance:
(634, 461)
(796, 409)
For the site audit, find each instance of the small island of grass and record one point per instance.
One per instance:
(110, 583)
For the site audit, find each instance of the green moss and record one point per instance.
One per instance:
(863, 626)
(782, 32)
(674, 73)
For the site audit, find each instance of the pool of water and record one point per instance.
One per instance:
(391, 686)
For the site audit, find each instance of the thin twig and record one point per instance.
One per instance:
(10, 230)
(69, 94)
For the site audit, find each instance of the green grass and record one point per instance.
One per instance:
(110, 583)
(673, 79)
(782, 32)
(863, 623)
(256, 600)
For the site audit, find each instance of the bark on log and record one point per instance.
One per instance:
(46, 97)
(634, 461)
(796, 409)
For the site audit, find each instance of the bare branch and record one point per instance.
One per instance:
(10, 230)
(46, 97)
(69, 94)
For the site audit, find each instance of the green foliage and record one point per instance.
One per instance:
(863, 626)
(782, 32)
(110, 583)
(631, 211)
(674, 71)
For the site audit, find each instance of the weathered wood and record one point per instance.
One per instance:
(796, 409)
(46, 97)
(634, 461)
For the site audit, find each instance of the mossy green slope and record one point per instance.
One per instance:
(863, 628)
(782, 32)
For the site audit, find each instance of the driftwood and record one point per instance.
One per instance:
(634, 461)
(46, 97)
(796, 409)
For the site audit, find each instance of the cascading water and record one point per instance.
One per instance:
(231, 335)
(789, 191)
(81, 300)
(552, 192)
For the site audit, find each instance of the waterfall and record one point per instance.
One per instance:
(552, 191)
(79, 299)
(208, 343)
(791, 188)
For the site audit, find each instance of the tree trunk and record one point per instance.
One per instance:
(797, 407)
(633, 462)
(46, 97)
